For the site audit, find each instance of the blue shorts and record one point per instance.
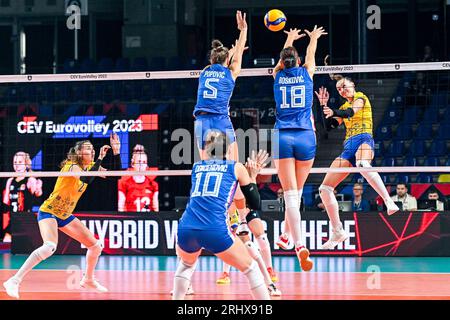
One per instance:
(61, 223)
(294, 143)
(213, 122)
(352, 144)
(215, 241)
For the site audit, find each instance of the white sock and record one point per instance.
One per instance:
(374, 179)
(182, 280)
(256, 282)
(264, 246)
(37, 256)
(92, 255)
(331, 205)
(256, 255)
(293, 216)
(226, 268)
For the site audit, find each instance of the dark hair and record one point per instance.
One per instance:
(73, 156)
(402, 184)
(216, 145)
(289, 57)
(219, 53)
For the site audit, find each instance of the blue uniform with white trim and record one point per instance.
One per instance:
(215, 88)
(294, 134)
(204, 223)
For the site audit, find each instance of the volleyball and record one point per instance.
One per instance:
(275, 20)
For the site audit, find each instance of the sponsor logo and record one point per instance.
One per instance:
(397, 67)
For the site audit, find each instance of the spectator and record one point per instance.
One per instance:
(428, 54)
(408, 201)
(20, 194)
(433, 195)
(358, 203)
(138, 193)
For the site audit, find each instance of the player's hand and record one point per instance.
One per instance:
(328, 112)
(103, 151)
(233, 48)
(240, 19)
(323, 96)
(260, 158)
(316, 33)
(294, 34)
(115, 143)
(253, 168)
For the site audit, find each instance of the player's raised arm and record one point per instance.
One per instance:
(292, 35)
(238, 50)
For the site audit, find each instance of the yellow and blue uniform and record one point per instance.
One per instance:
(358, 128)
(64, 198)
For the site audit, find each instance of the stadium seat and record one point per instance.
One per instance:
(439, 99)
(383, 133)
(122, 65)
(410, 115)
(424, 132)
(403, 132)
(140, 64)
(432, 162)
(391, 117)
(158, 63)
(175, 63)
(443, 132)
(395, 149)
(417, 148)
(389, 162)
(88, 66)
(424, 178)
(379, 149)
(403, 178)
(431, 115)
(105, 65)
(438, 148)
(410, 161)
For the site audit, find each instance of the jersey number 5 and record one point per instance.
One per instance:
(206, 190)
(212, 94)
(297, 97)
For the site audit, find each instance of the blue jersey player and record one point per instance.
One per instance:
(204, 223)
(294, 140)
(216, 85)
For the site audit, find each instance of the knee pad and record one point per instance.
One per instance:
(291, 199)
(253, 250)
(96, 249)
(253, 214)
(325, 189)
(363, 164)
(47, 250)
(185, 271)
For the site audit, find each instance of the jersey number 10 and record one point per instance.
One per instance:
(297, 97)
(206, 179)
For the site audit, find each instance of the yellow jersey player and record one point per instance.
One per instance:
(56, 213)
(356, 114)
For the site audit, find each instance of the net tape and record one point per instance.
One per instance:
(192, 74)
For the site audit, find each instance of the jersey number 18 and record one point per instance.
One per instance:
(297, 97)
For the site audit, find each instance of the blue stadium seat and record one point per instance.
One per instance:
(105, 65)
(424, 132)
(417, 149)
(446, 118)
(438, 148)
(70, 66)
(432, 162)
(158, 63)
(396, 149)
(140, 64)
(443, 132)
(410, 161)
(175, 63)
(403, 178)
(431, 115)
(410, 115)
(122, 65)
(403, 132)
(389, 162)
(392, 116)
(439, 99)
(88, 66)
(383, 133)
(358, 178)
(379, 149)
(424, 178)
(447, 163)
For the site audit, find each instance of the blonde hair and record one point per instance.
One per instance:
(74, 154)
(26, 156)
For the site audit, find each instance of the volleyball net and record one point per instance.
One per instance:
(43, 116)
